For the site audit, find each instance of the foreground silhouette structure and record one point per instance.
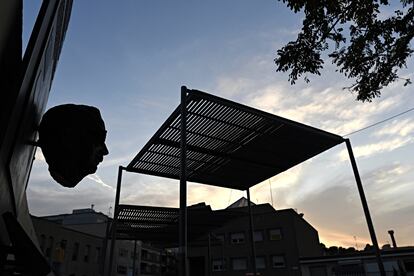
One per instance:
(25, 85)
(214, 141)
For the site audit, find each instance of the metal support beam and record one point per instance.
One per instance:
(115, 219)
(251, 233)
(135, 258)
(365, 207)
(209, 264)
(182, 250)
(105, 249)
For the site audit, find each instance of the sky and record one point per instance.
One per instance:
(130, 59)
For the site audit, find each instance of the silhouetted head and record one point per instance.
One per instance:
(72, 138)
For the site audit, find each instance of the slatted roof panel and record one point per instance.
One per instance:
(160, 224)
(229, 144)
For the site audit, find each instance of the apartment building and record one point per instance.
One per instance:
(74, 244)
(281, 238)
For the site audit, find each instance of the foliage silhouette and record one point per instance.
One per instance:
(369, 46)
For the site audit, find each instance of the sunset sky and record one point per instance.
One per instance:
(129, 58)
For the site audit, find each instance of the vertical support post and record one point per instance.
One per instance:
(105, 249)
(182, 250)
(209, 264)
(135, 258)
(115, 220)
(251, 233)
(365, 207)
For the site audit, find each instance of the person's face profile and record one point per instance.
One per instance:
(98, 150)
(72, 138)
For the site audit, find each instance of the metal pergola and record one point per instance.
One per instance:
(226, 144)
(160, 224)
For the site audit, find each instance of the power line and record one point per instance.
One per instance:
(380, 122)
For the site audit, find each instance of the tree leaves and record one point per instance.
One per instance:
(367, 49)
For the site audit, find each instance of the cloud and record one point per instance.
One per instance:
(374, 148)
(48, 198)
(117, 161)
(230, 87)
(400, 128)
(323, 109)
(337, 214)
(97, 179)
(141, 189)
(39, 155)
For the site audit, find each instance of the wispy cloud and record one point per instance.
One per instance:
(97, 179)
(374, 148)
(400, 128)
(117, 161)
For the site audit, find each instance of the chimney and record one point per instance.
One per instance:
(394, 244)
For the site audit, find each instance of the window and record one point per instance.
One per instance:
(144, 254)
(121, 269)
(75, 251)
(87, 252)
(237, 237)
(260, 262)
(63, 244)
(59, 252)
(49, 247)
(239, 264)
(218, 237)
(258, 236)
(409, 265)
(275, 234)
(122, 252)
(136, 254)
(278, 261)
(317, 271)
(97, 254)
(218, 264)
(145, 267)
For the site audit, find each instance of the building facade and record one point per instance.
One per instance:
(280, 237)
(75, 245)
(397, 261)
(69, 252)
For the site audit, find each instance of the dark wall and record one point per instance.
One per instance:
(25, 85)
(308, 237)
(10, 56)
(10, 72)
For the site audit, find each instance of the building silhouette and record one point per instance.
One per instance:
(281, 238)
(397, 261)
(83, 236)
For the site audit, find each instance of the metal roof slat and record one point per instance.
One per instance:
(223, 135)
